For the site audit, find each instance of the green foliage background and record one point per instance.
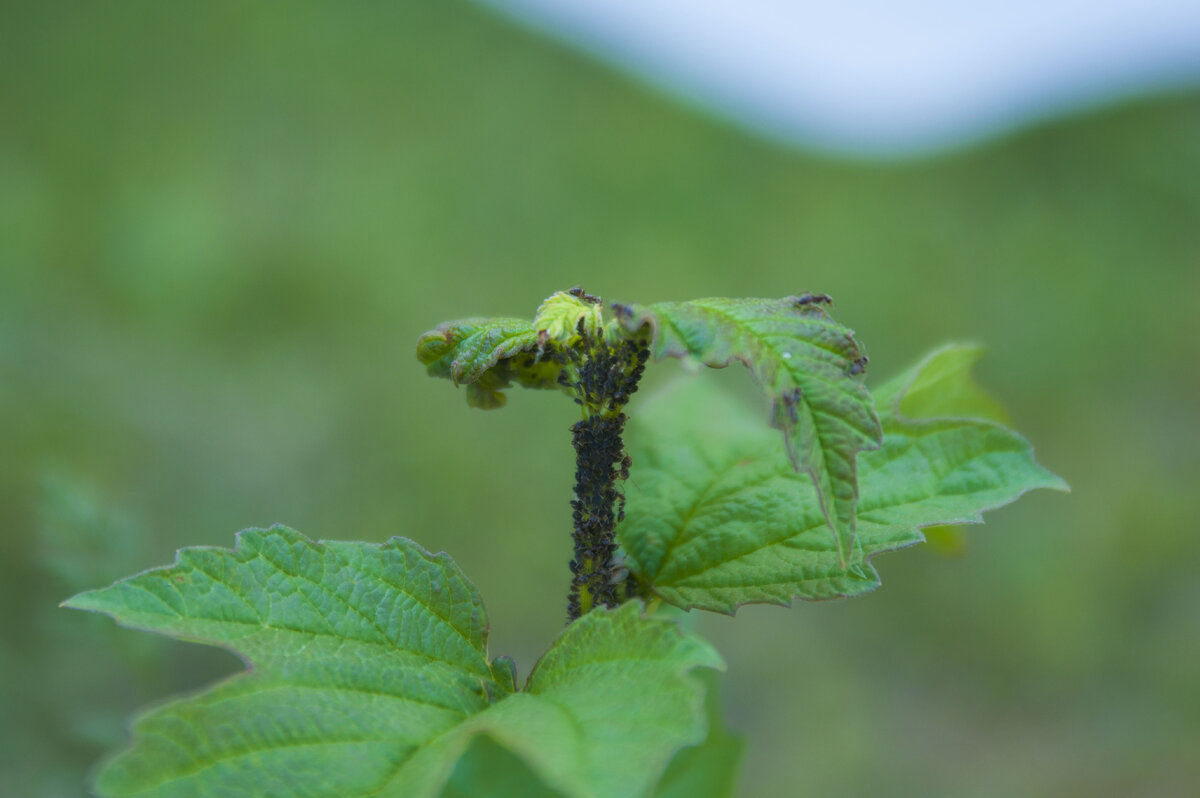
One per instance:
(224, 228)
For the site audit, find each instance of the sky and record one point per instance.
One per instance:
(875, 77)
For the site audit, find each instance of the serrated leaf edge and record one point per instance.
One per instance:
(442, 559)
(1052, 482)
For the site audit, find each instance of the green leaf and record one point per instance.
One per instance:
(942, 471)
(948, 541)
(716, 518)
(810, 367)
(359, 655)
(710, 769)
(369, 676)
(605, 709)
(940, 385)
(562, 313)
(939, 389)
(487, 355)
(489, 770)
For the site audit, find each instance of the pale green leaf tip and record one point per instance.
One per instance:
(82, 601)
(992, 410)
(1054, 482)
(561, 313)
(949, 372)
(974, 350)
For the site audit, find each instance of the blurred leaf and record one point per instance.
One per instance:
(948, 541)
(81, 541)
(716, 518)
(940, 385)
(369, 676)
(489, 770)
(710, 769)
(810, 367)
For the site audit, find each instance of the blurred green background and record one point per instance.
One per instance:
(223, 228)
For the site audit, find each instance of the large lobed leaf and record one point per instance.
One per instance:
(606, 708)
(369, 676)
(708, 769)
(811, 369)
(717, 518)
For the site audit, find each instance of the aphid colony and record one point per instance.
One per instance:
(601, 376)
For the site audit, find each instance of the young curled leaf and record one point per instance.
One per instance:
(487, 356)
(564, 313)
(810, 367)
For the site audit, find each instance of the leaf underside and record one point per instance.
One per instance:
(369, 677)
(716, 517)
(810, 367)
